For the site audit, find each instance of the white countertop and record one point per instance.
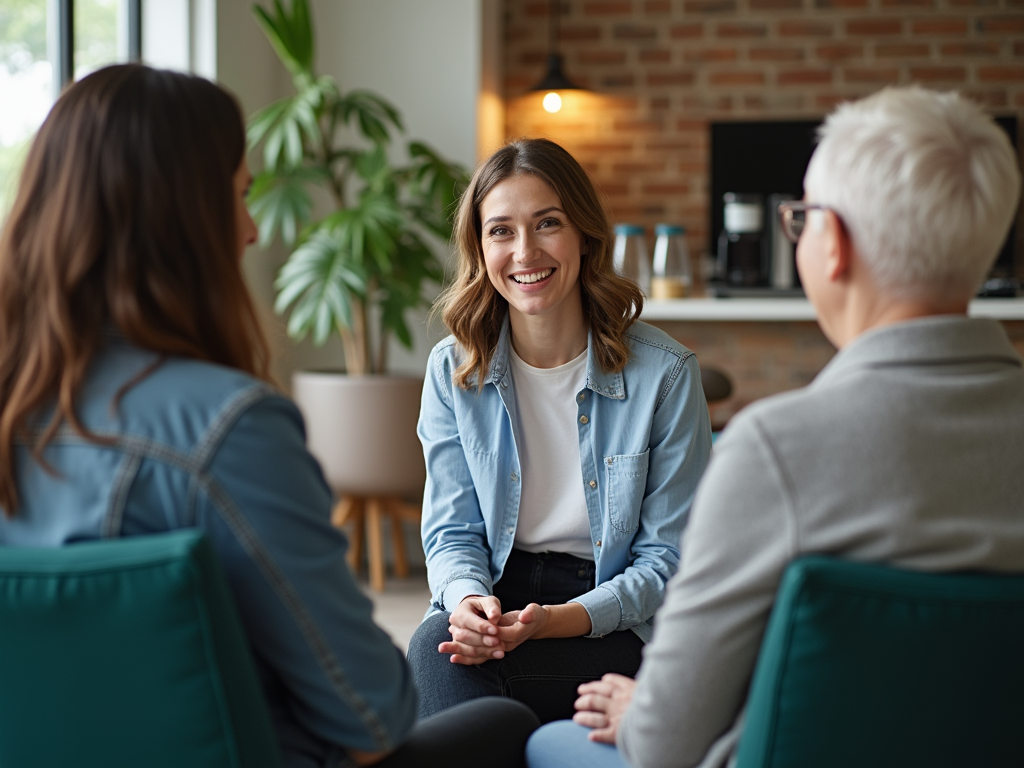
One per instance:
(787, 310)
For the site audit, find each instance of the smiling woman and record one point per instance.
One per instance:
(564, 441)
(532, 254)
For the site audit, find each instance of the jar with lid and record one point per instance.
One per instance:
(740, 254)
(673, 275)
(630, 256)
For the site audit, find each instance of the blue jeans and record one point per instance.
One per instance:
(543, 674)
(565, 745)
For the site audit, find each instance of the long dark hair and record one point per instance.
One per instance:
(474, 311)
(124, 218)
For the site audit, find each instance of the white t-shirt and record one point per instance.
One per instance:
(552, 509)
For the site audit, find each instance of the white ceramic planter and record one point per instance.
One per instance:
(362, 429)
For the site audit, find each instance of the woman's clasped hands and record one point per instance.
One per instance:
(481, 632)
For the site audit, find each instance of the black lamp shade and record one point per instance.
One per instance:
(555, 79)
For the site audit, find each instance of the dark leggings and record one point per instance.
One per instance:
(543, 674)
(494, 730)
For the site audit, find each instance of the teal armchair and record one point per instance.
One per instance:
(126, 654)
(864, 666)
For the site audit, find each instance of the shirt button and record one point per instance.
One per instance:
(581, 395)
(599, 542)
(584, 419)
(514, 477)
(593, 483)
(608, 462)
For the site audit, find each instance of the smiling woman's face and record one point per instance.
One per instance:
(531, 250)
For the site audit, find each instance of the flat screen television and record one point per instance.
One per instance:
(767, 157)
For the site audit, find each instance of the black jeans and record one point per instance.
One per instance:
(496, 729)
(543, 674)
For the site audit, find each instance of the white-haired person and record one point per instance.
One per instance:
(907, 449)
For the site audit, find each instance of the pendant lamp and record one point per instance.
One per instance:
(554, 80)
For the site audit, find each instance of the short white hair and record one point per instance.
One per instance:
(926, 185)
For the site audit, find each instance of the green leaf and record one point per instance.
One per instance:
(290, 128)
(372, 114)
(292, 142)
(319, 282)
(280, 202)
(272, 147)
(302, 33)
(372, 165)
(435, 187)
(291, 36)
(264, 120)
(276, 30)
(305, 112)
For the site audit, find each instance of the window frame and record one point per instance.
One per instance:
(63, 45)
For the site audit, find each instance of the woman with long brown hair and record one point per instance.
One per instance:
(564, 441)
(135, 400)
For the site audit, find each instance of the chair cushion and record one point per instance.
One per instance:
(126, 653)
(865, 665)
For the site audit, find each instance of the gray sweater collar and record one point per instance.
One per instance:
(937, 340)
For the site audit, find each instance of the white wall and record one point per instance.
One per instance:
(423, 56)
(247, 66)
(180, 34)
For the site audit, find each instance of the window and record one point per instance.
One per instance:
(44, 44)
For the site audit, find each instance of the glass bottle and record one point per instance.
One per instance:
(630, 256)
(673, 275)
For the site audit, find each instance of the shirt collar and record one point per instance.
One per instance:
(598, 381)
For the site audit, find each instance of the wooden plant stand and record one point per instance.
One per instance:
(367, 515)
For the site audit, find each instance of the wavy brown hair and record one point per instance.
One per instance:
(473, 309)
(125, 219)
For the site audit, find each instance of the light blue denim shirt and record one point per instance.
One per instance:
(195, 445)
(644, 437)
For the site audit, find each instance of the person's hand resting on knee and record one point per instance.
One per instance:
(481, 632)
(602, 704)
(474, 628)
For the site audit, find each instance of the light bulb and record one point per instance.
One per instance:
(552, 102)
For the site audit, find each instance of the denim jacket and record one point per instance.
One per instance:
(199, 445)
(644, 437)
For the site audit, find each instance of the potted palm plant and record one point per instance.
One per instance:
(359, 230)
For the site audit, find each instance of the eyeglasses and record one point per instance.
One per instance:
(793, 215)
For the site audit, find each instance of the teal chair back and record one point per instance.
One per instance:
(126, 654)
(868, 666)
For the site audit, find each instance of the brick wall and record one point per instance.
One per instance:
(661, 70)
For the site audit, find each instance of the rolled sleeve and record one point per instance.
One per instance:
(459, 589)
(604, 609)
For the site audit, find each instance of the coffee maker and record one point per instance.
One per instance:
(741, 259)
(754, 257)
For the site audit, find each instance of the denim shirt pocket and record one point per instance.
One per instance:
(626, 482)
